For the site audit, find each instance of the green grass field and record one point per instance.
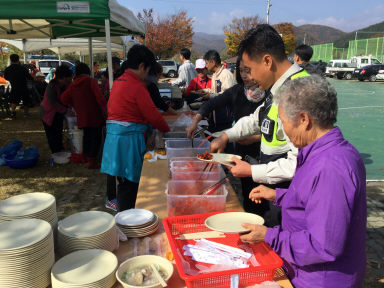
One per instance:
(361, 119)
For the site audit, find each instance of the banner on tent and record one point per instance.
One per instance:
(73, 7)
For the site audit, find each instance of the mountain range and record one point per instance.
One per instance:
(313, 34)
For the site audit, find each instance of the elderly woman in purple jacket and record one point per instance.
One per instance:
(322, 235)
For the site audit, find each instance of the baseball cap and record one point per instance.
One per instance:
(200, 64)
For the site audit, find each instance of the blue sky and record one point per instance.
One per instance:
(211, 15)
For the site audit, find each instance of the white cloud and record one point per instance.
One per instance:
(353, 22)
(215, 22)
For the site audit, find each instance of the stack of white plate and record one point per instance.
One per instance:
(91, 268)
(137, 222)
(31, 205)
(26, 253)
(87, 230)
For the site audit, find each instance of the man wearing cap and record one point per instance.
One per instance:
(200, 82)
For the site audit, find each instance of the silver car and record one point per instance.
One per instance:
(169, 68)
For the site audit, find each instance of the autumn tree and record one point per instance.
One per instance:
(286, 30)
(165, 36)
(236, 31)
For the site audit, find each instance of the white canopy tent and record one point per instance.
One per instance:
(62, 46)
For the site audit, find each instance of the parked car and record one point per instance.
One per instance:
(46, 65)
(380, 75)
(368, 72)
(169, 68)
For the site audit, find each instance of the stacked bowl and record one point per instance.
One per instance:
(31, 205)
(135, 223)
(92, 268)
(26, 253)
(87, 230)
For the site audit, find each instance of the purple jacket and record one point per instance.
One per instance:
(324, 211)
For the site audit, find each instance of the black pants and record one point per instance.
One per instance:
(55, 133)
(111, 187)
(92, 141)
(126, 192)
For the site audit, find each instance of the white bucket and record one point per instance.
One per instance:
(71, 121)
(76, 136)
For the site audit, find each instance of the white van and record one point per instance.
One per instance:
(337, 63)
(47, 64)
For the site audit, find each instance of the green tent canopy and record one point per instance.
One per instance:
(21, 19)
(25, 19)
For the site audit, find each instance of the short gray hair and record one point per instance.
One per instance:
(313, 95)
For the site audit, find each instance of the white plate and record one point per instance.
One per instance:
(134, 217)
(22, 233)
(84, 267)
(221, 158)
(26, 204)
(86, 224)
(231, 222)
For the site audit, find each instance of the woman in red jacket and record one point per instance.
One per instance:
(131, 113)
(85, 97)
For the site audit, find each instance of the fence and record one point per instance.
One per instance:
(322, 52)
(370, 46)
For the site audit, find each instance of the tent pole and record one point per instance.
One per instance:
(109, 51)
(125, 51)
(24, 54)
(90, 56)
(58, 51)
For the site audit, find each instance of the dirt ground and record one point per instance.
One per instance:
(77, 188)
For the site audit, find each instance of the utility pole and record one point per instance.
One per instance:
(268, 7)
(305, 36)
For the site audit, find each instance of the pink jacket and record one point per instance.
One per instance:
(51, 104)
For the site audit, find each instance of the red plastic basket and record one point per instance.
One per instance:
(269, 261)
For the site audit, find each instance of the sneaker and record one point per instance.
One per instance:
(111, 204)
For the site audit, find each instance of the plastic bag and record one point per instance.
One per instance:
(266, 284)
(9, 151)
(29, 153)
(182, 121)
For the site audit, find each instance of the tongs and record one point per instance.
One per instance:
(197, 132)
(209, 190)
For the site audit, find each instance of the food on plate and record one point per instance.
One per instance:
(205, 156)
(143, 275)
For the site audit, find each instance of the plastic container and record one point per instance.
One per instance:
(183, 148)
(23, 159)
(61, 157)
(76, 136)
(193, 170)
(183, 197)
(268, 259)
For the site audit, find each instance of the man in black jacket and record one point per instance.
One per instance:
(17, 75)
(302, 55)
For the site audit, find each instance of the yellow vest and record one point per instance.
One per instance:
(273, 114)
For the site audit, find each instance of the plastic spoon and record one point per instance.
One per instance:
(158, 276)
